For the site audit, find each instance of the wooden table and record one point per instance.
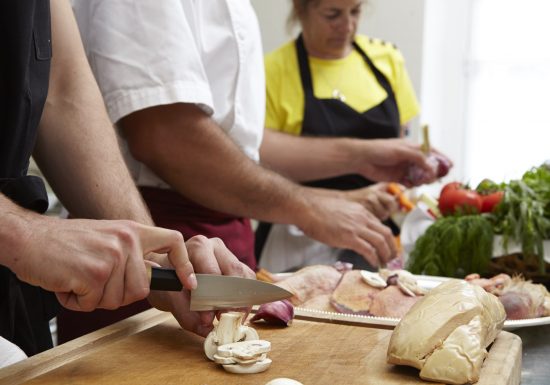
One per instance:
(151, 348)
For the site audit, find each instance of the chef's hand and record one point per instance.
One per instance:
(333, 219)
(390, 160)
(208, 256)
(376, 199)
(93, 264)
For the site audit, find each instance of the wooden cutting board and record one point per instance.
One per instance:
(151, 348)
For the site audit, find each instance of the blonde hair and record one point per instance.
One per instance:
(298, 6)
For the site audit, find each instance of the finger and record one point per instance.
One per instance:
(379, 236)
(229, 264)
(114, 289)
(201, 252)
(390, 203)
(377, 207)
(136, 279)
(85, 292)
(366, 250)
(84, 303)
(197, 322)
(156, 239)
(413, 154)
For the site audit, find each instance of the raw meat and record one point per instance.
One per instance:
(353, 295)
(391, 302)
(310, 282)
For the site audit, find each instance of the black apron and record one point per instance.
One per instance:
(334, 118)
(25, 310)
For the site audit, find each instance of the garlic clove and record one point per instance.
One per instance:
(373, 279)
(257, 367)
(244, 350)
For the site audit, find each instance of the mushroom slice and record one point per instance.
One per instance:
(373, 279)
(409, 285)
(404, 288)
(223, 360)
(245, 350)
(228, 330)
(260, 357)
(256, 367)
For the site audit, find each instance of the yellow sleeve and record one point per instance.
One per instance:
(405, 96)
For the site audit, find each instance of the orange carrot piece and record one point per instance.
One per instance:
(404, 202)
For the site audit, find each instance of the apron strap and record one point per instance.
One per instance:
(382, 79)
(303, 62)
(27, 191)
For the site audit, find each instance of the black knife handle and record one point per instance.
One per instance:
(165, 279)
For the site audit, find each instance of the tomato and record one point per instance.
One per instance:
(451, 186)
(490, 201)
(455, 198)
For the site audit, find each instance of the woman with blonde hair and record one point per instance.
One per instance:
(330, 93)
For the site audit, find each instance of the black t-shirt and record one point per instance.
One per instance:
(24, 73)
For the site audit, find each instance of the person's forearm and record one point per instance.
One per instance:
(13, 231)
(76, 148)
(188, 150)
(303, 158)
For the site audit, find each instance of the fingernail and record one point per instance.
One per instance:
(192, 279)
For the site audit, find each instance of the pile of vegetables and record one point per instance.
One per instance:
(461, 241)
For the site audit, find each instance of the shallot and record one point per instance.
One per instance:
(275, 313)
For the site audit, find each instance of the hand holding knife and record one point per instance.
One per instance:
(217, 292)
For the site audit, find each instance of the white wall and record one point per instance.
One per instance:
(443, 89)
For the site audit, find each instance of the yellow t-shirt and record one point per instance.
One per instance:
(351, 75)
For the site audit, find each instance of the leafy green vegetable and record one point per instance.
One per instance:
(524, 213)
(462, 244)
(453, 247)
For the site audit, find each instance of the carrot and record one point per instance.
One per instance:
(264, 275)
(404, 202)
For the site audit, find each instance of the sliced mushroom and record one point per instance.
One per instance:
(244, 350)
(403, 287)
(260, 357)
(404, 280)
(373, 279)
(257, 367)
(229, 329)
(223, 360)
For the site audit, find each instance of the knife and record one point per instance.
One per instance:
(216, 292)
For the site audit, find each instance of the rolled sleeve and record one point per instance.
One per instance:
(143, 54)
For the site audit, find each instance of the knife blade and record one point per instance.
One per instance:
(217, 292)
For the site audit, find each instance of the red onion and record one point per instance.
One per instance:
(275, 313)
(417, 176)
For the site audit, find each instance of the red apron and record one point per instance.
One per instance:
(170, 210)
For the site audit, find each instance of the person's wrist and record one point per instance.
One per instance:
(357, 153)
(18, 239)
(302, 207)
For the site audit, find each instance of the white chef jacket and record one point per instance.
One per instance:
(146, 53)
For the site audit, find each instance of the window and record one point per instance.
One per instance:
(507, 74)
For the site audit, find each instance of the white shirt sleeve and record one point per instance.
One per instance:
(143, 54)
